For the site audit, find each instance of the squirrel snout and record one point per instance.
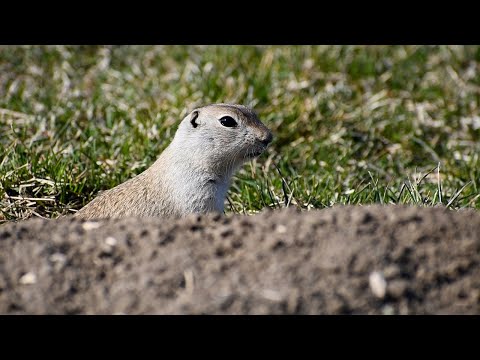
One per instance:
(266, 138)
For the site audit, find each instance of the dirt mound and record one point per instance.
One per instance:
(343, 260)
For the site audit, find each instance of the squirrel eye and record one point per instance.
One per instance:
(228, 121)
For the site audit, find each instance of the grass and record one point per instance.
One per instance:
(352, 124)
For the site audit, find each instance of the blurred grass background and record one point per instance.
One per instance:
(352, 124)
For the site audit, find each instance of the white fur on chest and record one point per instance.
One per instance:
(197, 192)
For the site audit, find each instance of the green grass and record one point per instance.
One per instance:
(352, 124)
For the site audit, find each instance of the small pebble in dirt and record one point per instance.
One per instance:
(281, 229)
(271, 295)
(57, 258)
(28, 279)
(378, 284)
(90, 225)
(110, 241)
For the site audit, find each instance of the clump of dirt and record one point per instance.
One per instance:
(343, 260)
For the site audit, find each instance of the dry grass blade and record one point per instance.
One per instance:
(457, 194)
(284, 187)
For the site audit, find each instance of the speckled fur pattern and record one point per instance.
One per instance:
(193, 174)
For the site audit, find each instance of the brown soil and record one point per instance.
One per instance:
(426, 261)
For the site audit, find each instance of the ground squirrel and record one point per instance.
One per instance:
(193, 174)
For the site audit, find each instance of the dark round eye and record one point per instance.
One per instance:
(228, 121)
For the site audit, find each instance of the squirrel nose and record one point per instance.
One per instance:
(266, 138)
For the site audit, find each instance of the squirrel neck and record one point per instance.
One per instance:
(183, 174)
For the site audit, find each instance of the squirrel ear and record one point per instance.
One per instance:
(193, 118)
